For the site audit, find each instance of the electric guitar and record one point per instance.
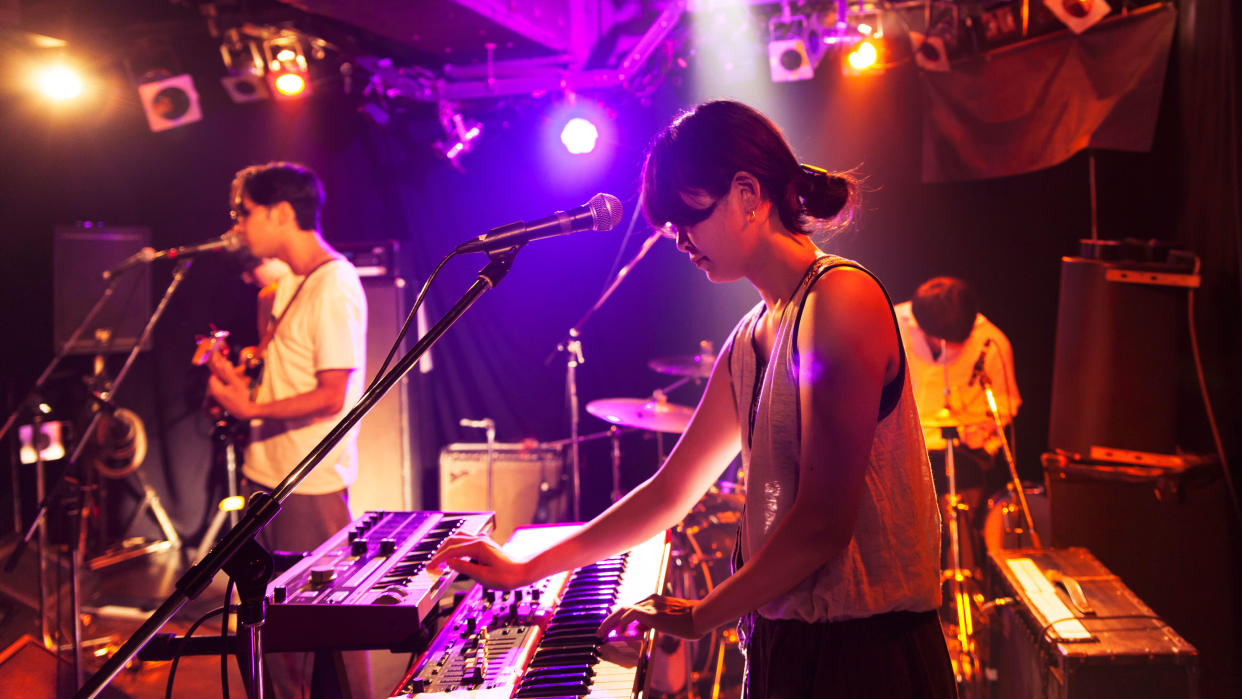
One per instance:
(216, 342)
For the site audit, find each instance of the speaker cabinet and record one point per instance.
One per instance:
(1114, 379)
(1171, 538)
(387, 472)
(81, 255)
(527, 485)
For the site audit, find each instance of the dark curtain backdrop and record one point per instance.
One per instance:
(1006, 235)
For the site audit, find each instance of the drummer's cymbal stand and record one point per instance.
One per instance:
(968, 668)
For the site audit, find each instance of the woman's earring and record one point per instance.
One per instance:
(751, 215)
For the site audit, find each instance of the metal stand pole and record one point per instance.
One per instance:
(572, 346)
(1015, 481)
(49, 641)
(573, 352)
(615, 439)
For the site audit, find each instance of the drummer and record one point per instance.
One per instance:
(944, 333)
(837, 577)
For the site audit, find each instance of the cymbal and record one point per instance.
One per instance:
(942, 418)
(698, 366)
(643, 413)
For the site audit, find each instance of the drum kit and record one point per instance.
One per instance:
(702, 542)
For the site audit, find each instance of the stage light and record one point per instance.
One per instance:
(793, 47)
(59, 83)
(170, 102)
(1079, 15)
(287, 70)
(244, 62)
(289, 84)
(460, 134)
(579, 136)
(863, 57)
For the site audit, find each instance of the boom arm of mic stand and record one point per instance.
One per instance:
(621, 275)
(60, 355)
(986, 382)
(199, 576)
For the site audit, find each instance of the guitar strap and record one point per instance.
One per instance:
(270, 332)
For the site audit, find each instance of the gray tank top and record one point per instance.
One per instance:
(892, 562)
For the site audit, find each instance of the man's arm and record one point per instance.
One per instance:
(327, 398)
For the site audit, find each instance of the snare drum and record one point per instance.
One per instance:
(1005, 526)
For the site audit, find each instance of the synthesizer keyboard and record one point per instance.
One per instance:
(367, 586)
(539, 640)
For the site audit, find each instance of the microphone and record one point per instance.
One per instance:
(228, 242)
(484, 424)
(601, 213)
(978, 369)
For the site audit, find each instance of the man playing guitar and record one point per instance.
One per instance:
(313, 324)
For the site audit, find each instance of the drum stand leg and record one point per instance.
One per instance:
(121, 553)
(968, 669)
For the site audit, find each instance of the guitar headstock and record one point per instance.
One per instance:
(206, 345)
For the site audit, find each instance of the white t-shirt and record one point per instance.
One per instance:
(325, 328)
(927, 374)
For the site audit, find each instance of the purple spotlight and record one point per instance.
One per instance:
(579, 136)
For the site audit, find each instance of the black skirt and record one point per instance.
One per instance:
(895, 656)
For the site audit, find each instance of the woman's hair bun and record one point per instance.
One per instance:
(823, 193)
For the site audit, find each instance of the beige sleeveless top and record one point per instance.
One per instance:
(892, 562)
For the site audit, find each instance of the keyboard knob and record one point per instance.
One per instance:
(387, 546)
(321, 576)
(392, 595)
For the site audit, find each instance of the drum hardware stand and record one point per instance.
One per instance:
(171, 541)
(225, 435)
(614, 435)
(489, 426)
(968, 662)
(124, 550)
(1015, 480)
(572, 347)
(225, 439)
(239, 551)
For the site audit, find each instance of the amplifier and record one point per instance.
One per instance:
(527, 485)
(1075, 631)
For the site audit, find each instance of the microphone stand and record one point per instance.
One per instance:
(986, 382)
(243, 558)
(37, 389)
(572, 347)
(77, 536)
